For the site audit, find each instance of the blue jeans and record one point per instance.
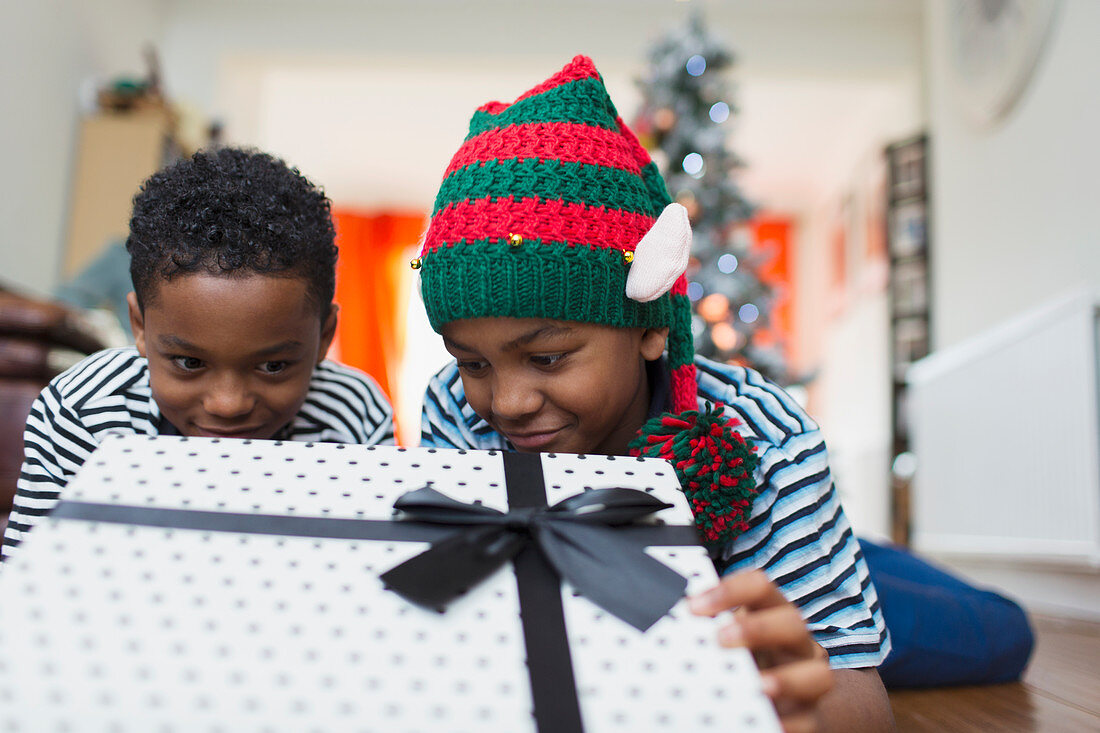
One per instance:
(944, 631)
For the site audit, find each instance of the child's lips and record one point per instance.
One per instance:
(533, 440)
(246, 432)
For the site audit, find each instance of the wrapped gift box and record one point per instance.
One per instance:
(205, 585)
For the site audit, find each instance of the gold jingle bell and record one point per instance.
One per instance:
(628, 256)
(416, 263)
(515, 240)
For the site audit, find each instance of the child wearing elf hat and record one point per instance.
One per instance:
(554, 269)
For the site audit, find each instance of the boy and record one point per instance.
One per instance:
(554, 270)
(234, 269)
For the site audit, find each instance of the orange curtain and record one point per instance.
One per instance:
(772, 240)
(372, 290)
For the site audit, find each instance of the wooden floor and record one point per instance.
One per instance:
(1060, 690)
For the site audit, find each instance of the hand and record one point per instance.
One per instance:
(795, 671)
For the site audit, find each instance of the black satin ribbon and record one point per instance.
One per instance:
(270, 524)
(578, 537)
(555, 705)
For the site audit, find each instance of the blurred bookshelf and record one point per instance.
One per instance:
(910, 287)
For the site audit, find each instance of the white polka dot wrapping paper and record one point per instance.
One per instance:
(127, 627)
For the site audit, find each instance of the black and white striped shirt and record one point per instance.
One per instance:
(109, 393)
(798, 533)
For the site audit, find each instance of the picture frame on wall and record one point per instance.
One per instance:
(907, 170)
(910, 342)
(910, 288)
(908, 229)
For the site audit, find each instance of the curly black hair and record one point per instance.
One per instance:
(232, 211)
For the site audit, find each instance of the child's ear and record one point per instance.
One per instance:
(137, 321)
(653, 343)
(328, 332)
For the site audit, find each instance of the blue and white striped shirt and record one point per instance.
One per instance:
(797, 534)
(108, 392)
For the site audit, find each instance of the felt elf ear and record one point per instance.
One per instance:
(661, 257)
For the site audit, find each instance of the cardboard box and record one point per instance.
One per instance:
(269, 614)
(115, 153)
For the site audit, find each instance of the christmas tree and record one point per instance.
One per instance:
(685, 117)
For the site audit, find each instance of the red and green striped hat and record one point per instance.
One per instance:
(541, 212)
(552, 209)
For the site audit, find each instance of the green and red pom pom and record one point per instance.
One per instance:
(714, 465)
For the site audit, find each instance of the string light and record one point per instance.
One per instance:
(693, 164)
(694, 291)
(727, 263)
(719, 112)
(724, 336)
(748, 313)
(713, 308)
(696, 65)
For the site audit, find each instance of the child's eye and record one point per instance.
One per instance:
(187, 363)
(472, 366)
(273, 367)
(547, 360)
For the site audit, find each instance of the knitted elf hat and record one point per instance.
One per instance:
(552, 209)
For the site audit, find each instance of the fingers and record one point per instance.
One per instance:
(751, 589)
(779, 629)
(798, 683)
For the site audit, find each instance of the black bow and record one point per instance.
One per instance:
(578, 537)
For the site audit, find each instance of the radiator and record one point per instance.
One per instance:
(1006, 432)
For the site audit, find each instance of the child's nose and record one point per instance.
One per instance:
(515, 398)
(229, 397)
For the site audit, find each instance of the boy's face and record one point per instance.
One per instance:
(556, 386)
(230, 357)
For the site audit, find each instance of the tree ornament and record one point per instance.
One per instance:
(664, 119)
(689, 202)
(713, 308)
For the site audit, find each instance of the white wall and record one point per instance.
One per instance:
(799, 60)
(844, 333)
(1014, 219)
(805, 72)
(47, 49)
(852, 403)
(1014, 224)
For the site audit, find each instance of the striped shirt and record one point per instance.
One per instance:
(109, 393)
(797, 534)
